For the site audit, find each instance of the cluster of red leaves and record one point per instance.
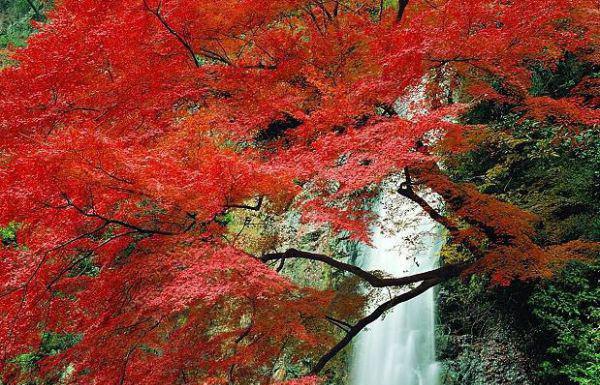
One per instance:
(130, 127)
(501, 42)
(504, 235)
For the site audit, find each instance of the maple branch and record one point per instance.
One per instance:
(106, 220)
(441, 273)
(406, 190)
(156, 12)
(281, 265)
(99, 167)
(45, 256)
(239, 339)
(345, 326)
(32, 276)
(324, 9)
(259, 66)
(85, 255)
(313, 18)
(132, 349)
(428, 279)
(457, 234)
(457, 59)
(373, 316)
(441, 61)
(204, 51)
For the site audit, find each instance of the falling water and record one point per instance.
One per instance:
(400, 348)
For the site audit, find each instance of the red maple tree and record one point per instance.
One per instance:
(131, 128)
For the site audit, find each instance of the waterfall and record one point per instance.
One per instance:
(399, 349)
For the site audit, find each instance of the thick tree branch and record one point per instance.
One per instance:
(428, 279)
(374, 315)
(441, 273)
(458, 235)
(256, 207)
(406, 190)
(401, 8)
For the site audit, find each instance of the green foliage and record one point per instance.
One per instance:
(557, 82)
(555, 174)
(8, 234)
(84, 266)
(52, 343)
(543, 171)
(15, 20)
(568, 314)
(467, 308)
(485, 112)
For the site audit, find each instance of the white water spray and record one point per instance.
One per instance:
(400, 348)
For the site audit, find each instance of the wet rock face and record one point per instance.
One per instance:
(493, 362)
(477, 344)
